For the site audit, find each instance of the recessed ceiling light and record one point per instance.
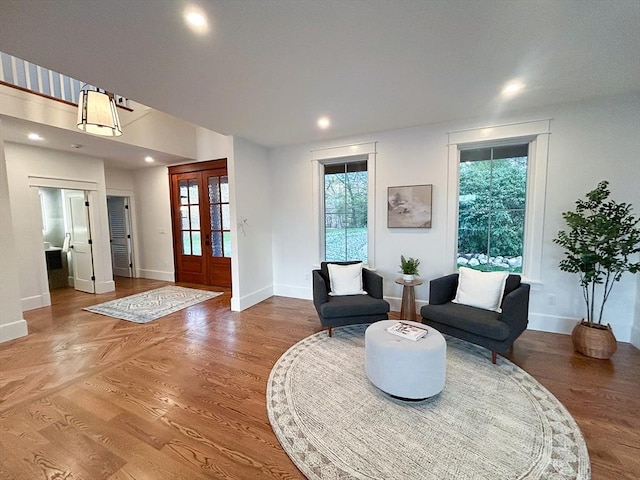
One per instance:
(148, 159)
(34, 136)
(323, 122)
(196, 20)
(513, 88)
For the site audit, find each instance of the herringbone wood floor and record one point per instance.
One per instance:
(90, 397)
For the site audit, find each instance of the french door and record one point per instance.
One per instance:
(201, 223)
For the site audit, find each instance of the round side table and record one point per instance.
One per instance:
(408, 308)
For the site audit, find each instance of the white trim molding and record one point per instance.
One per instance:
(12, 330)
(325, 156)
(536, 134)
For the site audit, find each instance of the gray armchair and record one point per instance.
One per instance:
(492, 330)
(337, 311)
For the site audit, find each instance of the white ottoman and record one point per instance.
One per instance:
(405, 368)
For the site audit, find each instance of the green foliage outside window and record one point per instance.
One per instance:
(345, 204)
(492, 207)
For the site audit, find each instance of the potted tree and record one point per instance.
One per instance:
(600, 242)
(409, 268)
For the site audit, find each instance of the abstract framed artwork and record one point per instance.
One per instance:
(409, 207)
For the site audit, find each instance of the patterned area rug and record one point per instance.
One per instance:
(490, 421)
(147, 306)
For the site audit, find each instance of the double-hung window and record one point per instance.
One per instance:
(497, 187)
(345, 211)
(343, 202)
(492, 199)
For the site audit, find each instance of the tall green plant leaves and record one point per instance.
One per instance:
(600, 242)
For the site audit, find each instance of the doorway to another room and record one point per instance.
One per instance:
(66, 232)
(119, 215)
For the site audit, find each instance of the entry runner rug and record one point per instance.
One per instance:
(489, 422)
(147, 306)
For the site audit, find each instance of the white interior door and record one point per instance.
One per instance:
(80, 244)
(120, 234)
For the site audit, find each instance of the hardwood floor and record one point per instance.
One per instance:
(90, 397)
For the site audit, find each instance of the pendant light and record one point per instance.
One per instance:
(97, 113)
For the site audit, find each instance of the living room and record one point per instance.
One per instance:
(589, 139)
(580, 106)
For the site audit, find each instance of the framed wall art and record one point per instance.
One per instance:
(409, 207)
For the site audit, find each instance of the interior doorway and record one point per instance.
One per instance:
(201, 222)
(66, 232)
(120, 235)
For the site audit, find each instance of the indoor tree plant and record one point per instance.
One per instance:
(409, 268)
(600, 243)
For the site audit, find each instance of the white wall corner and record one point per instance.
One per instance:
(239, 304)
(293, 291)
(635, 336)
(12, 330)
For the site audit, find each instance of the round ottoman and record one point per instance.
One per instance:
(410, 369)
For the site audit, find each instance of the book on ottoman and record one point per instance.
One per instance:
(407, 330)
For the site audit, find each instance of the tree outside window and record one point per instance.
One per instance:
(492, 207)
(345, 207)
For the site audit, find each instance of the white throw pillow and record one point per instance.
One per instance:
(346, 279)
(480, 289)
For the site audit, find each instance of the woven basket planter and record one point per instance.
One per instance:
(597, 341)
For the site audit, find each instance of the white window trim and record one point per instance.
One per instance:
(536, 133)
(327, 156)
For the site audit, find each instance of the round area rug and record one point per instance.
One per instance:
(489, 422)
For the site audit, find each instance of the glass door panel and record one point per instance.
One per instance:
(190, 217)
(218, 189)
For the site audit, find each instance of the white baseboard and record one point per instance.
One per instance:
(105, 287)
(9, 331)
(635, 336)
(396, 304)
(555, 324)
(156, 275)
(36, 301)
(239, 304)
(292, 291)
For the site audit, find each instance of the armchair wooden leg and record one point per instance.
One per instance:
(330, 332)
(494, 357)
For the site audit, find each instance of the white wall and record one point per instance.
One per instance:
(144, 126)
(152, 226)
(12, 325)
(589, 142)
(252, 269)
(635, 330)
(27, 164)
(119, 181)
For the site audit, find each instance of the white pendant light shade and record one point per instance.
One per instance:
(97, 114)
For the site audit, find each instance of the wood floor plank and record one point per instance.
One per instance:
(85, 396)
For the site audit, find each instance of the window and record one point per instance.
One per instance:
(492, 207)
(343, 185)
(535, 135)
(345, 211)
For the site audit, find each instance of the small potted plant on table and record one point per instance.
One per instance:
(409, 268)
(600, 242)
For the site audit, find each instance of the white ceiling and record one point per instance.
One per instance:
(268, 69)
(115, 154)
